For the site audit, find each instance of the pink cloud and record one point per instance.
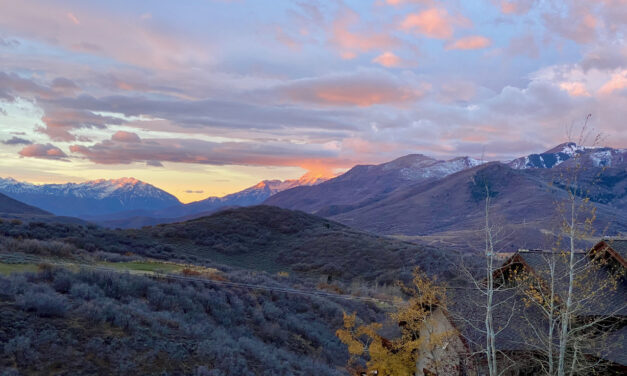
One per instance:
(73, 18)
(351, 42)
(154, 151)
(577, 23)
(434, 23)
(616, 83)
(122, 136)
(473, 42)
(388, 59)
(516, 6)
(44, 151)
(364, 88)
(575, 89)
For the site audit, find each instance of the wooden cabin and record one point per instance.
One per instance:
(520, 324)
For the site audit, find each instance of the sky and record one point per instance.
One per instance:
(207, 97)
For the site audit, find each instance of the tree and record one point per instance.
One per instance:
(567, 283)
(419, 340)
(487, 293)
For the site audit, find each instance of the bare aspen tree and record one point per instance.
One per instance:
(575, 295)
(493, 295)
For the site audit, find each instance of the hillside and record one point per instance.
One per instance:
(11, 206)
(368, 183)
(259, 238)
(93, 312)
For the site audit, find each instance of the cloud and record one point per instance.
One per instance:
(363, 88)
(516, 6)
(43, 151)
(434, 22)
(192, 191)
(73, 18)
(154, 163)
(388, 59)
(577, 22)
(524, 45)
(122, 136)
(618, 82)
(97, 31)
(60, 122)
(473, 42)
(205, 152)
(351, 42)
(17, 141)
(575, 89)
(606, 57)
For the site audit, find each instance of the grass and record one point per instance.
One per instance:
(144, 266)
(7, 269)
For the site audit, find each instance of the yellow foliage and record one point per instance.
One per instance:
(398, 356)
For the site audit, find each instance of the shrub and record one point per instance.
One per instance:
(44, 304)
(85, 291)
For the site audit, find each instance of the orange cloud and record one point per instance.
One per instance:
(473, 42)
(47, 151)
(388, 59)
(434, 23)
(575, 89)
(122, 136)
(364, 88)
(351, 42)
(617, 82)
(73, 18)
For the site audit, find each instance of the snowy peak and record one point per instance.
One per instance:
(595, 156)
(89, 198)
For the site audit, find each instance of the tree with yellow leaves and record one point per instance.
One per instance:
(423, 341)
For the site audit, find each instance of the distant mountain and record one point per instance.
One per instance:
(523, 202)
(92, 198)
(11, 206)
(592, 156)
(254, 195)
(418, 196)
(368, 183)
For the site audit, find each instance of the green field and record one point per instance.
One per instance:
(144, 266)
(7, 269)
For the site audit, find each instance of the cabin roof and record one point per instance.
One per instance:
(525, 320)
(618, 247)
(595, 277)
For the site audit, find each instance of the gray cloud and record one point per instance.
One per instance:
(17, 141)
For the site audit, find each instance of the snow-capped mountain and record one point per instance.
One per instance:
(90, 198)
(594, 156)
(365, 183)
(254, 195)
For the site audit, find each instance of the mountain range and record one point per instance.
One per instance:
(128, 202)
(415, 196)
(405, 198)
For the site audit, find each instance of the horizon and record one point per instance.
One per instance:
(209, 98)
(308, 174)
